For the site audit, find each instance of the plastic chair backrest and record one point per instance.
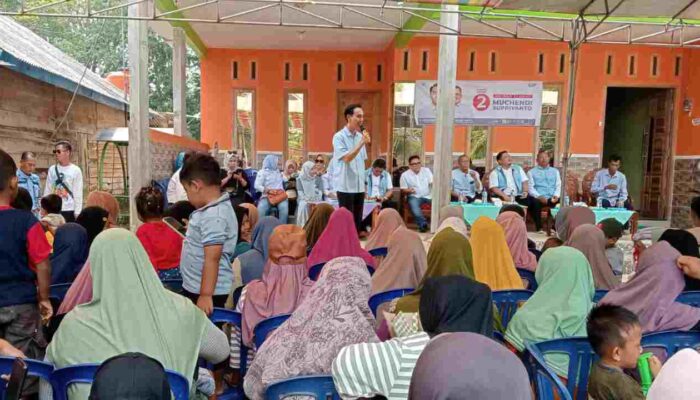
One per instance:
(671, 341)
(581, 357)
(508, 302)
(548, 386)
(599, 294)
(234, 318)
(691, 298)
(528, 276)
(34, 368)
(319, 387)
(385, 297)
(62, 378)
(265, 327)
(58, 291)
(315, 271)
(174, 285)
(379, 252)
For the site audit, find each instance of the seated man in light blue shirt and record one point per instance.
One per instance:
(610, 185)
(416, 184)
(212, 235)
(465, 182)
(510, 183)
(545, 181)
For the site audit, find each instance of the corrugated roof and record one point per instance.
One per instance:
(24, 51)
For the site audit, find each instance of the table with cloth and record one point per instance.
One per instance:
(622, 215)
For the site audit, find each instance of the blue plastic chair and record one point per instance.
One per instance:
(265, 327)
(581, 357)
(528, 276)
(234, 318)
(508, 302)
(320, 387)
(58, 291)
(548, 386)
(671, 341)
(174, 285)
(62, 378)
(385, 297)
(599, 294)
(315, 271)
(691, 298)
(34, 368)
(379, 252)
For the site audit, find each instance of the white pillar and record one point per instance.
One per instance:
(447, 79)
(179, 82)
(139, 134)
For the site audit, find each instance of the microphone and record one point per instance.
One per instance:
(362, 128)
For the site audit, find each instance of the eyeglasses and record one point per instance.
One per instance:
(57, 151)
(320, 162)
(414, 163)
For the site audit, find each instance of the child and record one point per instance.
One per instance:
(615, 335)
(51, 217)
(162, 244)
(212, 234)
(24, 265)
(181, 211)
(613, 229)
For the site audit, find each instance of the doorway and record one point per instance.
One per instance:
(295, 126)
(639, 128)
(370, 107)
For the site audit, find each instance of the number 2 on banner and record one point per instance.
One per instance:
(481, 102)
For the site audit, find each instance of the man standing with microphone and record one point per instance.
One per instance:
(349, 154)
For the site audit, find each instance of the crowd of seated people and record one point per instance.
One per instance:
(437, 340)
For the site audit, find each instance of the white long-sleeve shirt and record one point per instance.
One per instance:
(176, 192)
(72, 178)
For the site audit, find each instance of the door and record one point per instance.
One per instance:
(657, 155)
(370, 106)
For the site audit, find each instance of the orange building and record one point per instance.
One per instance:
(633, 100)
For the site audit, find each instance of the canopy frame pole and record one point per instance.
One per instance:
(444, 129)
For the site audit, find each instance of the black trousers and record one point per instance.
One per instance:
(534, 209)
(385, 204)
(467, 199)
(354, 202)
(69, 216)
(218, 300)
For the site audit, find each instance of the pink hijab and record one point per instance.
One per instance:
(339, 239)
(516, 237)
(80, 291)
(284, 282)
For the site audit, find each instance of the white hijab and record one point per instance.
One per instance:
(678, 379)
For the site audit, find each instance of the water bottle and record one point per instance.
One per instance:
(645, 372)
(599, 202)
(461, 197)
(484, 197)
(566, 201)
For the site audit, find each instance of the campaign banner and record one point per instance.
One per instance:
(491, 103)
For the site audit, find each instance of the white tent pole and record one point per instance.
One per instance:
(447, 79)
(574, 45)
(139, 135)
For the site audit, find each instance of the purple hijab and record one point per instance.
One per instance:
(651, 294)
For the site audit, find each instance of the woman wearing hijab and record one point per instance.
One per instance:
(404, 265)
(317, 223)
(126, 289)
(94, 219)
(269, 183)
(468, 366)
(652, 292)
(687, 245)
(249, 222)
(309, 189)
(249, 265)
(449, 254)
(338, 240)
(590, 241)
(493, 262)
(388, 221)
(70, 251)
(449, 304)
(242, 219)
(570, 218)
(450, 211)
(559, 307)
(333, 315)
(516, 238)
(678, 378)
(290, 176)
(106, 201)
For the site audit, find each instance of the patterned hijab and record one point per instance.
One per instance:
(493, 262)
(516, 237)
(464, 365)
(317, 223)
(449, 254)
(652, 292)
(339, 239)
(284, 281)
(590, 241)
(559, 307)
(404, 265)
(106, 201)
(333, 315)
